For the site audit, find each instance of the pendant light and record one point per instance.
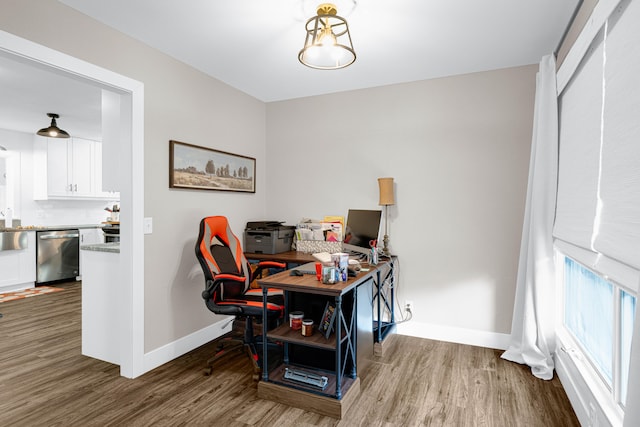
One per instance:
(327, 45)
(53, 131)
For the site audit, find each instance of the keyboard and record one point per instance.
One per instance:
(324, 257)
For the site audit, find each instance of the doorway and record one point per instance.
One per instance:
(130, 309)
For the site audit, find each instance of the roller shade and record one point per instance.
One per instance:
(618, 234)
(580, 111)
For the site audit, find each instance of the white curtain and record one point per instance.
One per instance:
(532, 329)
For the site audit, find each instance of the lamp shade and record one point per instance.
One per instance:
(386, 191)
(327, 44)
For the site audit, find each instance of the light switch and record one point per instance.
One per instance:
(148, 225)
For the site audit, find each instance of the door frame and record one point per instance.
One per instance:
(129, 314)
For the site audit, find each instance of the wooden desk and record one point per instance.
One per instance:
(383, 296)
(290, 257)
(352, 317)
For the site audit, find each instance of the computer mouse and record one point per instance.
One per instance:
(295, 273)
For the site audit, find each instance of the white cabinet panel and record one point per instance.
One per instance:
(82, 161)
(57, 168)
(89, 236)
(100, 331)
(18, 267)
(101, 188)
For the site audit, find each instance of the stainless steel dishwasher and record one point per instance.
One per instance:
(58, 255)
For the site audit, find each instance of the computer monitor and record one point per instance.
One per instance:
(362, 227)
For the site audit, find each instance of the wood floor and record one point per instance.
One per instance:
(45, 381)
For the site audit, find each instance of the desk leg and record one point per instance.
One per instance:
(285, 345)
(385, 304)
(392, 286)
(353, 334)
(338, 323)
(265, 363)
(379, 286)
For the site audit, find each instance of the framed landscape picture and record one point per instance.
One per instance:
(201, 168)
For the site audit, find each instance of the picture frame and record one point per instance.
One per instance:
(201, 168)
(325, 326)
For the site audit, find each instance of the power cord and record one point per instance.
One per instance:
(405, 318)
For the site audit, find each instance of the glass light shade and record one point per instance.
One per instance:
(328, 43)
(386, 191)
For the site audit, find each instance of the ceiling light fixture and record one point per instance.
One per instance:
(327, 45)
(53, 131)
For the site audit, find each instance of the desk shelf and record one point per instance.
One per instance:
(277, 376)
(317, 340)
(334, 357)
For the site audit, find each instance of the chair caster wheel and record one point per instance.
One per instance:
(207, 372)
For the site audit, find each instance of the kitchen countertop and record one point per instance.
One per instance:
(113, 247)
(51, 227)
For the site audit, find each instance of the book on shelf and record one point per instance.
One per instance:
(325, 326)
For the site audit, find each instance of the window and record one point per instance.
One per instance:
(627, 316)
(599, 315)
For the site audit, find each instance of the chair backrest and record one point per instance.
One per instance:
(219, 251)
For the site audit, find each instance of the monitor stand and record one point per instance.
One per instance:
(353, 250)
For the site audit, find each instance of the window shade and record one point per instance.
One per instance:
(618, 235)
(598, 206)
(579, 152)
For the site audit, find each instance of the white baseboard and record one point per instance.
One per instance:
(456, 335)
(17, 287)
(177, 348)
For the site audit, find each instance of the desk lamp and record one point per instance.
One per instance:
(386, 200)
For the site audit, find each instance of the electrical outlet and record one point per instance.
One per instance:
(408, 306)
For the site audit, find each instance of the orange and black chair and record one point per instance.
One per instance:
(228, 277)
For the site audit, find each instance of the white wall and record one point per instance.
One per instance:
(458, 149)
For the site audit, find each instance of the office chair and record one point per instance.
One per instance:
(227, 288)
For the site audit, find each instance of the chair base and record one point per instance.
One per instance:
(244, 338)
(231, 345)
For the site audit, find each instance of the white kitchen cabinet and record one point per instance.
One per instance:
(68, 169)
(102, 190)
(91, 236)
(18, 266)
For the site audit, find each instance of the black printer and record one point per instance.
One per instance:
(268, 237)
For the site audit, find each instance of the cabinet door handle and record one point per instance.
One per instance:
(75, 187)
(70, 187)
(59, 236)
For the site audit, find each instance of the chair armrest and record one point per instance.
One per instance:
(214, 284)
(266, 264)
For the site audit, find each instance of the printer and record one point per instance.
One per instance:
(268, 237)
